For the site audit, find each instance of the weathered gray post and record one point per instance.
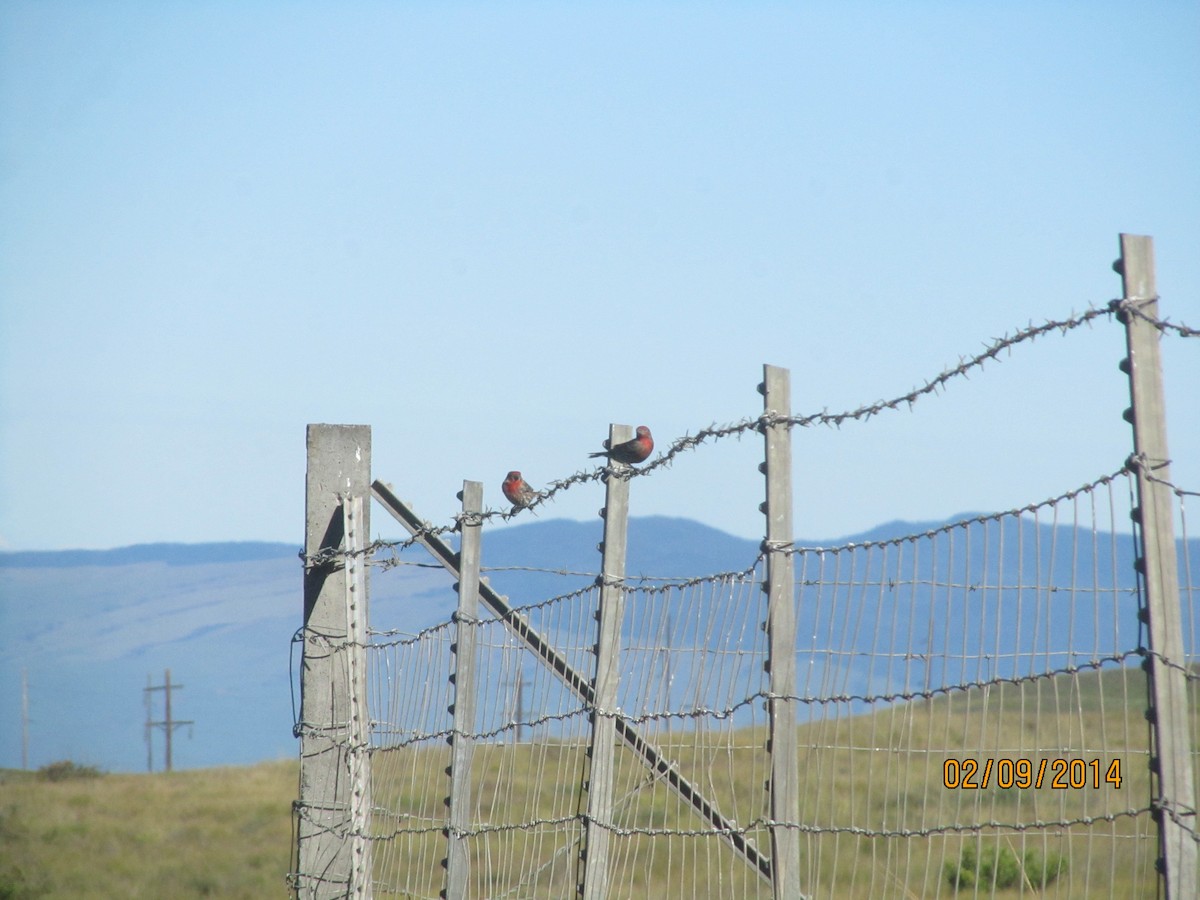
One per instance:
(462, 740)
(608, 660)
(781, 637)
(1170, 713)
(333, 856)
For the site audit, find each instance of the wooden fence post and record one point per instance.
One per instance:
(462, 739)
(781, 638)
(1170, 712)
(608, 660)
(332, 852)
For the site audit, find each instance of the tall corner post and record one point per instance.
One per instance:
(608, 656)
(462, 738)
(784, 785)
(1170, 714)
(333, 849)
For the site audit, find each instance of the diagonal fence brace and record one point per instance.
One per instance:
(651, 756)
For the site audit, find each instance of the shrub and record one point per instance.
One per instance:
(13, 886)
(1000, 867)
(65, 770)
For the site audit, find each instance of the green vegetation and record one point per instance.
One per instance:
(1000, 867)
(70, 831)
(65, 770)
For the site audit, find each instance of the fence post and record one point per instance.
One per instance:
(332, 852)
(1170, 712)
(462, 739)
(608, 656)
(784, 785)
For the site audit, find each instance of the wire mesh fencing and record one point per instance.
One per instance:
(691, 671)
(977, 710)
(989, 708)
(972, 721)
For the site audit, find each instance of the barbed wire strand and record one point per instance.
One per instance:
(758, 824)
(714, 432)
(729, 712)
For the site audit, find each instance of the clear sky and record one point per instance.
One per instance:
(489, 230)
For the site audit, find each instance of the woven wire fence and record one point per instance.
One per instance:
(691, 670)
(972, 722)
(978, 709)
(972, 708)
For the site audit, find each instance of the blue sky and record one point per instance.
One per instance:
(488, 231)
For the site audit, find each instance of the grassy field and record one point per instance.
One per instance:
(228, 833)
(204, 833)
(859, 775)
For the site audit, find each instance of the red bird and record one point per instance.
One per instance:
(632, 451)
(518, 491)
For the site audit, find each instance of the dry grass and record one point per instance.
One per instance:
(859, 773)
(227, 832)
(203, 833)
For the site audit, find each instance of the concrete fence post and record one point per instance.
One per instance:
(333, 852)
(1158, 574)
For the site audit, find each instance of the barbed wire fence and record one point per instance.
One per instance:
(958, 712)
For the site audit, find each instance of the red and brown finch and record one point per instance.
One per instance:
(517, 490)
(631, 451)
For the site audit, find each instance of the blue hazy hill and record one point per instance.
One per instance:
(92, 627)
(169, 554)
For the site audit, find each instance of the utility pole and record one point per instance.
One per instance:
(24, 718)
(167, 724)
(149, 731)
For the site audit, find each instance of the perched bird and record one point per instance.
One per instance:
(631, 451)
(517, 490)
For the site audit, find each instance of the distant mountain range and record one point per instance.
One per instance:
(93, 629)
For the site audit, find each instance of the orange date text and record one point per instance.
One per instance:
(1009, 772)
